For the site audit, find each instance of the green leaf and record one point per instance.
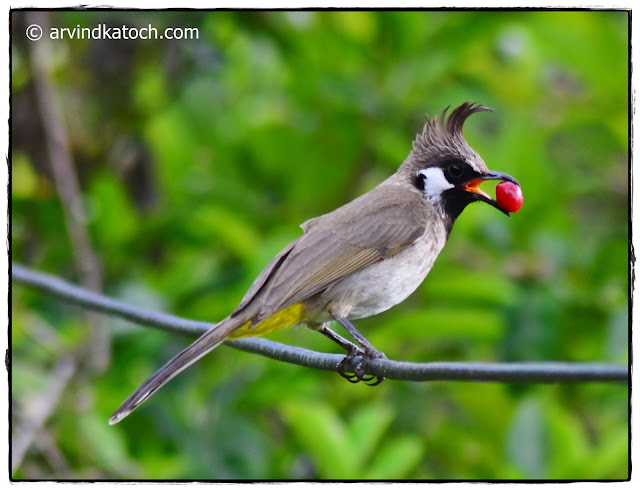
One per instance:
(365, 430)
(568, 443)
(324, 436)
(216, 222)
(397, 458)
(611, 459)
(443, 322)
(105, 444)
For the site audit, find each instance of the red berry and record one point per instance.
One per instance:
(509, 196)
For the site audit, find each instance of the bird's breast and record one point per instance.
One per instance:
(382, 285)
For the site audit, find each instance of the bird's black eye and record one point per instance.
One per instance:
(455, 171)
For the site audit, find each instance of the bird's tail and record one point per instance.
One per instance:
(199, 348)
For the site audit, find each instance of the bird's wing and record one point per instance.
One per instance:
(371, 228)
(262, 279)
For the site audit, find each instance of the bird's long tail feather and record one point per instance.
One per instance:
(199, 348)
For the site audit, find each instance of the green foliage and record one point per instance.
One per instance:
(344, 451)
(198, 159)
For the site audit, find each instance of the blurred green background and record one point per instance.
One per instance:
(198, 159)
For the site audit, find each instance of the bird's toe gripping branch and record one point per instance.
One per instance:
(365, 352)
(359, 371)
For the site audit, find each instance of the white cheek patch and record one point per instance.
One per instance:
(434, 181)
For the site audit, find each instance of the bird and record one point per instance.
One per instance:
(360, 259)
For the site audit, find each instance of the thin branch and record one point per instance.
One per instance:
(464, 371)
(67, 185)
(39, 409)
(95, 351)
(60, 159)
(98, 302)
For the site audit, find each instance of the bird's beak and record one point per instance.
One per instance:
(473, 187)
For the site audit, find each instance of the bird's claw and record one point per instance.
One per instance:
(344, 364)
(358, 374)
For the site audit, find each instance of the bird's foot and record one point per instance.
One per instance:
(359, 374)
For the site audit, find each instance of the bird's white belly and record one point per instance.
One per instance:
(383, 285)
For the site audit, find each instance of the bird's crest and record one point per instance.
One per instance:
(447, 131)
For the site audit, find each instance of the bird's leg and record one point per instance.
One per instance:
(352, 349)
(340, 340)
(370, 353)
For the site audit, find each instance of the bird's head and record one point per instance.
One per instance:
(446, 169)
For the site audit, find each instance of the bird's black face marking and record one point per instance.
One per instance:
(454, 202)
(458, 172)
(454, 199)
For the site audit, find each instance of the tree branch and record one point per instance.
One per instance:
(39, 409)
(461, 371)
(68, 187)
